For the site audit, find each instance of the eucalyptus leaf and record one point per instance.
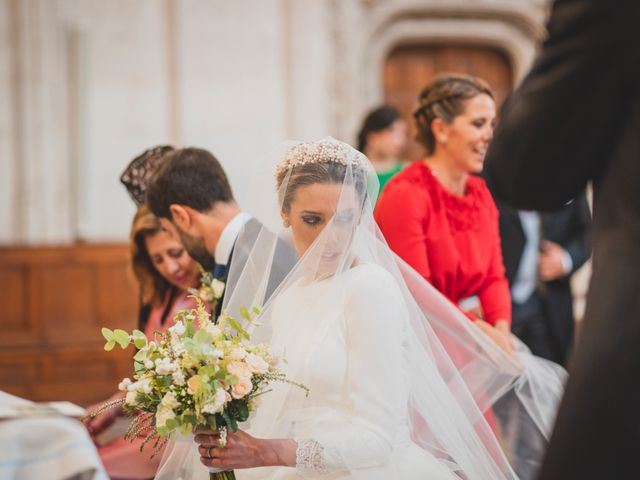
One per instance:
(107, 334)
(245, 314)
(121, 337)
(139, 339)
(109, 345)
(236, 326)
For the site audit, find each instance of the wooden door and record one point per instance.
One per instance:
(410, 67)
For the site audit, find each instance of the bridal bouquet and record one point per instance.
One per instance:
(195, 375)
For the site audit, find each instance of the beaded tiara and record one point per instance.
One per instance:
(326, 150)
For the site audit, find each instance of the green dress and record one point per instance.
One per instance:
(384, 177)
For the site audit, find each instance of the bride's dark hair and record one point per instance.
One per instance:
(318, 172)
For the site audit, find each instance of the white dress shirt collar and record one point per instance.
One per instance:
(228, 237)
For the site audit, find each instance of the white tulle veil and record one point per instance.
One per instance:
(479, 412)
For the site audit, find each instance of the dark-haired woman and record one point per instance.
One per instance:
(382, 138)
(440, 217)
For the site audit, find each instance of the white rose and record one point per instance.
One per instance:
(238, 353)
(218, 287)
(169, 400)
(256, 363)
(146, 385)
(217, 353)
(130, 399)
(162, 415)
(141, 385)
(164, 366)
(122, 386)
(217, 403)
(177, 329)
(177, 346)
(241, 388)
(178, 377)
(213, 330)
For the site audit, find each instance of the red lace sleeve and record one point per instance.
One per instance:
(402, 214)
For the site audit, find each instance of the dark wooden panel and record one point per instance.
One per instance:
(67, 302)
(14, 304)
(53, 303)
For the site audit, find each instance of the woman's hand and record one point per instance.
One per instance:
(500, 334)
(244, 451)
(102, 421)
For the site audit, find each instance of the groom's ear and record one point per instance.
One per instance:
(181, 217)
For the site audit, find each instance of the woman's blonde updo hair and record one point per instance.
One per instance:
(153, 287)
(445, 98)
(321, 161)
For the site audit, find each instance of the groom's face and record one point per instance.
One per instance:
(195, 246)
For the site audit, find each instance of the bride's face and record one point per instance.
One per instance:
(315, 207)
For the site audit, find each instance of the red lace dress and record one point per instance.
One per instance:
(453, 241)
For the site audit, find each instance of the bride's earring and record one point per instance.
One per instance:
(286, 224)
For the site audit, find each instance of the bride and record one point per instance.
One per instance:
(400, 387)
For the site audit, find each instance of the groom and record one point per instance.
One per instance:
(191, 190)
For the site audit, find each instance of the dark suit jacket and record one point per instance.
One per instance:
(575, 119)
(284, 259)
(569, 227)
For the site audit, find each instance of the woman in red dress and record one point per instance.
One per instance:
(439, 217)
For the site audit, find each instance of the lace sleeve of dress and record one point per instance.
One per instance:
(313, 459)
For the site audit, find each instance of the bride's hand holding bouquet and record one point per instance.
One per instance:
(195, 376)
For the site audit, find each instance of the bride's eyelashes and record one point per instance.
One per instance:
(311, 219)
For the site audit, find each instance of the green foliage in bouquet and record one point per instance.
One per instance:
(195, 375)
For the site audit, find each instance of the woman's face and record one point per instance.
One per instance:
(466, 140)
(171, 260)
(313, 207)
(388, 142)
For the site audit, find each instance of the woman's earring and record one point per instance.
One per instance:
(286, 224)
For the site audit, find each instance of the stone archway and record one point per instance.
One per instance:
(513, 27)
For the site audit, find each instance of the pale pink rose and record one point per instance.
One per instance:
(256, 363)
(239, 369)
(241, 388)
(192, 384)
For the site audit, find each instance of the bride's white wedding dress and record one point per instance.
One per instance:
(350, 353)
(399, 379)
(355, 417)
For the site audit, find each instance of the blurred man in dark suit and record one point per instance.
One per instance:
(576, 119)
(541, 252)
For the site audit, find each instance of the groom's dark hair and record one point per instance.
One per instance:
(189, 176)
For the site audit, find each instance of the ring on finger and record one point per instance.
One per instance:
(209, 451)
